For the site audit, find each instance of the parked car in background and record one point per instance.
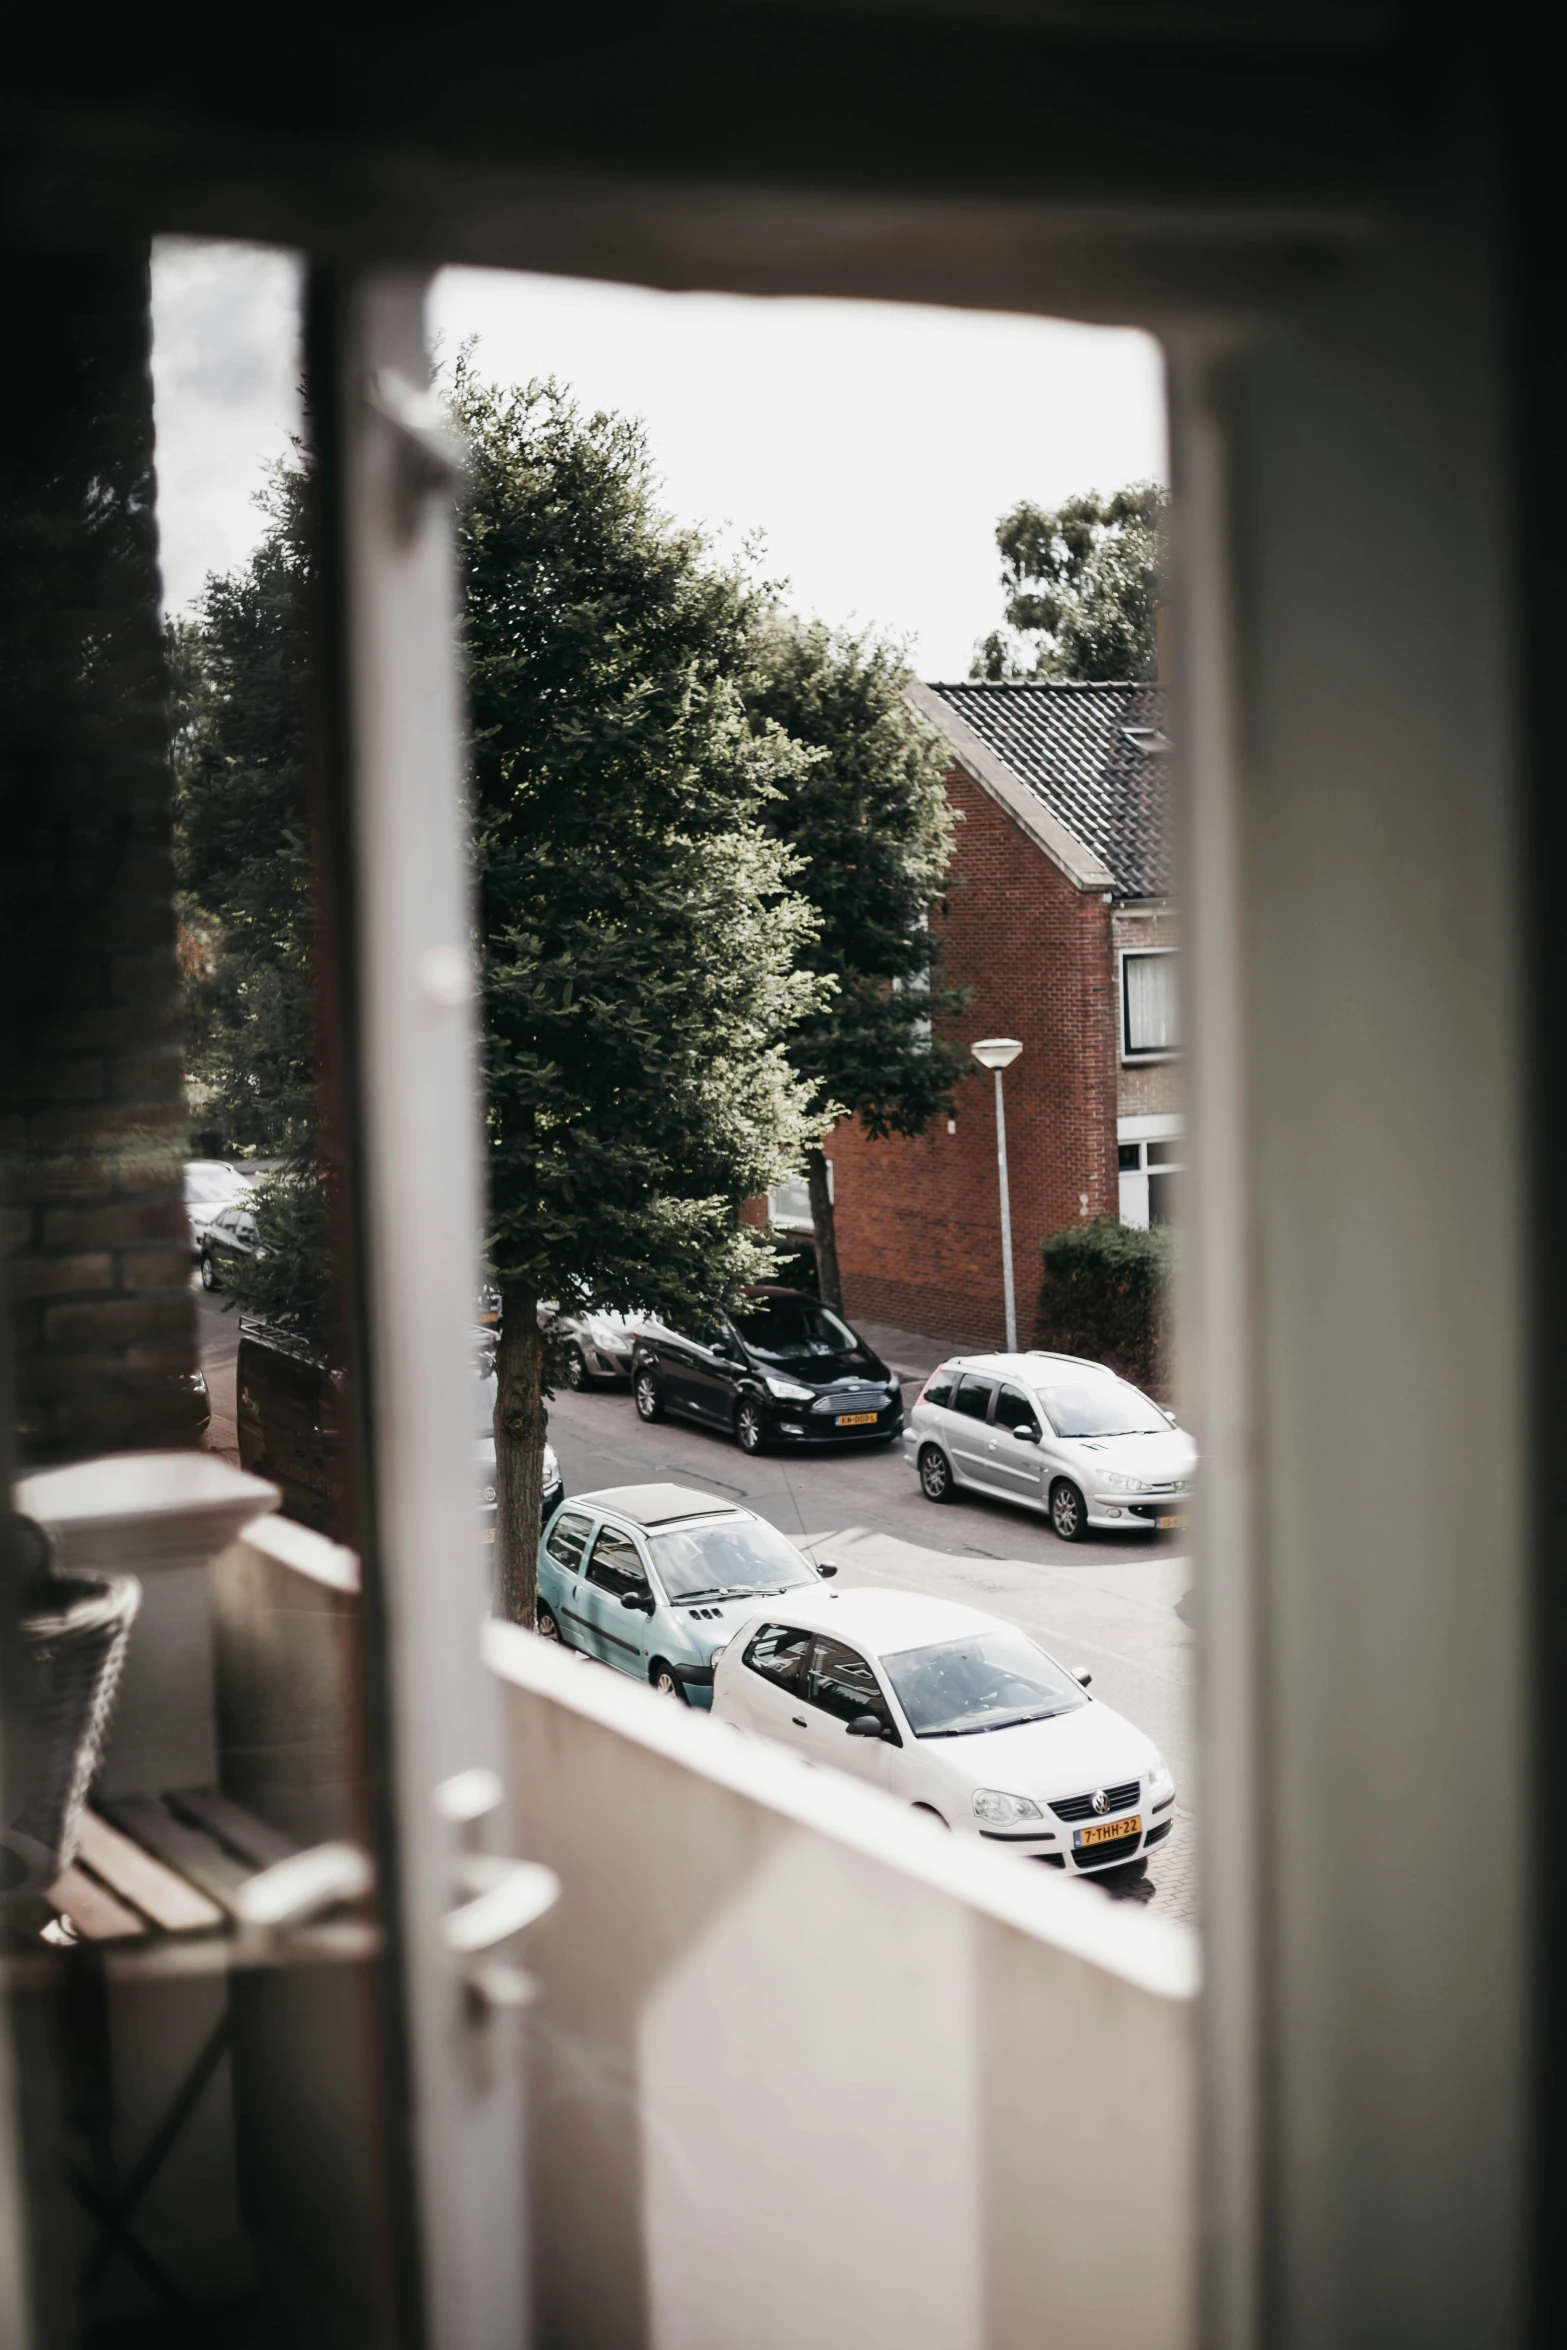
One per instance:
(211, 1184)
(956, 1713)
(653, 1578)
(1062, 1435)
(601, 1345)
(230, 1238)
(783, 1368)
(484, 1437)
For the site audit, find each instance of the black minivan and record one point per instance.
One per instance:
(782, 1369)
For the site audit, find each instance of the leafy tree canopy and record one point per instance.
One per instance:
(1082, 584)
(641, 940)
(869, 821)
(240, 843)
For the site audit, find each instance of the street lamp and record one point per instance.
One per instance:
(998, 1053)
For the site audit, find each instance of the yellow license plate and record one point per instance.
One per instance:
(1108, 1831)
(1167, 1525)
(856, 1419)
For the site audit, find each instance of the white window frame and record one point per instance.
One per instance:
(1139, 1060)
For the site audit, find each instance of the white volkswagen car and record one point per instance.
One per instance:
(1063, 1435)
(955, 1712)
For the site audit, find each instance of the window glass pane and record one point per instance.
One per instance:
(567, 1536)
(778, 1652)
(973, 1397)
(615, 1565)
(1016, 1410)
(842, 1683)
(1149, 981)
(1102, 1407)
(982, 1682)
(939, 1389)
(1165, 1154)
(794, 1330)
(1129, 1157)
(735, 1554)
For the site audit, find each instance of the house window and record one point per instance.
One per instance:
(1149, 1028)
(1152, 1159)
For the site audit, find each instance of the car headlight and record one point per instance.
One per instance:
(788, 1390)
(1004, 1811)
(1161, 1784)
(1119, 1484)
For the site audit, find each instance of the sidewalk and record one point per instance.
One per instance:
(906, 1352)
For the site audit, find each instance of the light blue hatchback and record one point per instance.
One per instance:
(653, 1579)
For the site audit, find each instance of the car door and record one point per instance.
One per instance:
(968, 1428)
(676, 1369)
(712, 1370)
(1016, 1462)
(840, 1686)
(615, 1568)
(771, 1684)
(562, 1578)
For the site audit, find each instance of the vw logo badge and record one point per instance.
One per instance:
(1100, 1800)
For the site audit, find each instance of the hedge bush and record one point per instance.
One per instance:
(1106, 1294)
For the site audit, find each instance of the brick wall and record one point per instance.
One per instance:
(92, 1116)
(918, 1222)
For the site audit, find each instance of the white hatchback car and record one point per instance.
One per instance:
(1063, 1435)
(955, 1712)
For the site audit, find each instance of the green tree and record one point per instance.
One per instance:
(639, 937)
(869, 821)
(1082, 583)
(241, 862)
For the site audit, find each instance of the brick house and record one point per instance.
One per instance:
(1061, 921)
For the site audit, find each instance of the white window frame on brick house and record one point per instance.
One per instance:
(1137, 1140)
(1141, 1055)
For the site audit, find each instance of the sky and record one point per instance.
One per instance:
(869, 447)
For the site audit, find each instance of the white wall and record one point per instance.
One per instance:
(806, 2070)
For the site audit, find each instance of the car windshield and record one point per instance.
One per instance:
(216, 1181)
(1102, 1407)
(733, 1554)
(985, 1681)
(793, 1330)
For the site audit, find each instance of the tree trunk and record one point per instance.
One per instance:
(519, 1455)
(827, 1280)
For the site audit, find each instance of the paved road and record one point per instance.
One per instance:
(217, 1343)
(1120, 1607)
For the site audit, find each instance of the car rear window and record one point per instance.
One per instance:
(938, 1388)
(778, 1653)
(973, 1396)
(566, 1538)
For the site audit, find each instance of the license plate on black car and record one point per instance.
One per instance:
(856, 1420)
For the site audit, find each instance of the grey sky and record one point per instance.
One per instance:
(871, 446)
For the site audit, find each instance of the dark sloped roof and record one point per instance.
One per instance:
(1070, 746)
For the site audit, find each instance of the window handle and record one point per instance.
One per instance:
(502, 1896)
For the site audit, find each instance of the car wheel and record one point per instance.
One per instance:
(1068, 1511)
(748, 1426)
(666, 1681)
(548, 1628)
(931, 1813)
(645, 1394)
(936, 1480)
(209, 1272)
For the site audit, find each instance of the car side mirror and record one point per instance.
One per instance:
(866, 1726)
(1082, 1675)
(1027, 1433)
(827, 1568)
(642, 1601)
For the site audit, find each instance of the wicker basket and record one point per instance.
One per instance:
(74, 1635)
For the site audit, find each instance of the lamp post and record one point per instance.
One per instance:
(998, 1053)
